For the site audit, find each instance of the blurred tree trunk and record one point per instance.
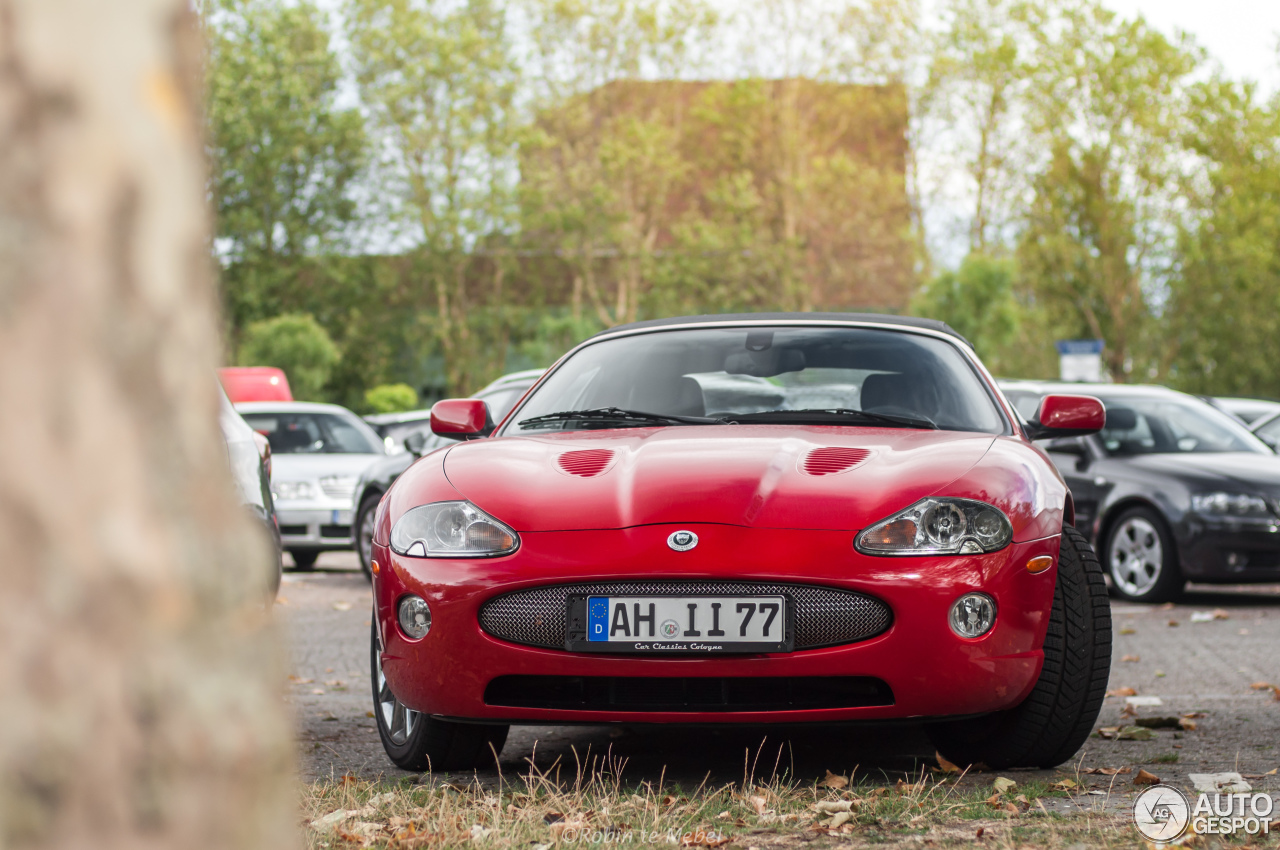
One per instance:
(141, 699)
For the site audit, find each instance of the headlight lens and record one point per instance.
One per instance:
(289, 490)
(1231, 504)
(451, 530)
(938, 527)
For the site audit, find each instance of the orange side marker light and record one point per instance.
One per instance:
(1038, 564)
(373, 565)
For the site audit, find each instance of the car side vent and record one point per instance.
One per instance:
(586, 462)
(832, 459)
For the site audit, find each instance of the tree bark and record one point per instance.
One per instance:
(141, 697)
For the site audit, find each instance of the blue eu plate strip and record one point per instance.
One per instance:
(598, 618)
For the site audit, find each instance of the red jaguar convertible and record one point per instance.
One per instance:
(751, 519)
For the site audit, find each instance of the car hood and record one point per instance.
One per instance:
(309, 467)
(1256, 472)
(746, 475)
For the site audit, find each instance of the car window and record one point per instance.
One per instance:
(1143, 425)
(313, 433)
(1270, 431)
(501, 401)
(725, 371)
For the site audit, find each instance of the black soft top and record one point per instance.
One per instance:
(879, 318)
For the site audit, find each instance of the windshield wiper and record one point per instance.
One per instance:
(617, 414)
(838, 414)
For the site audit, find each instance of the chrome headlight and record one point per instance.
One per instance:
(451, 530)
(1239, 505)
(938, 527)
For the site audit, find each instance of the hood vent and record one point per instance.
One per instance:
(832, 459)
(586, 463)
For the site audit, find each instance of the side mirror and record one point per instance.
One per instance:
(1067, 416)
(415, 443)
(461, 418)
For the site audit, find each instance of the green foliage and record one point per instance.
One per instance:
(297, 344)
(977, 300)
(390, 398)
(283, 155)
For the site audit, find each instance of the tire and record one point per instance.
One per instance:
(420, 742)
(364, 537)
(1141, 557)
(304, 560)
(1051, 724)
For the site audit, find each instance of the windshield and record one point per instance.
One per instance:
(1137, 425)
(726, 372)
(314, 433)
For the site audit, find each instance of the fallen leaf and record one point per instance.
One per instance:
(840, 819)
(832, 780)
(1202, 616)
(1011, 810)
(282, 600)
(1106, 771)
(1219, 783)
(1219, 614)
(1243, 632)
(1145, 778)
(1128, 631)
(1122, 692)
(981, 830)
(300, 681)
(1065, 784)
(831, 807)
(758, 804)
(1168, 606)
(1129, 710)
(944, 765)
(1022, 798)
(552, 817)
(335, 683)
(1261, 686)
(329, 821)
(1134, 733)
(1131, 658)
(368, 714)
(1194, 714)
(317, 692)
(346, 606)
(1003, 784)
(478, 832)
(1272, 771)
(348, 778)
(1173, 622)
(1187, 724)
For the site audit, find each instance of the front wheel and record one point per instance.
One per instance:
(1051, 724)
(419, 742)
(1142, 557)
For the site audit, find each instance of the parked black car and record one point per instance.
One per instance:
(501, 396)
(1172, 490)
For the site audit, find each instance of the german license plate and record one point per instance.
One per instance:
(678, 624)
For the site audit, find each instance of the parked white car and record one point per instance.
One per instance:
(318, 453)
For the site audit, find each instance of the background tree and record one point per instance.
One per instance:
(284, 157)
(297, 344)
(142, 703)
(390, 398)
(1224, 307)
(439, 82)
(1111, 104)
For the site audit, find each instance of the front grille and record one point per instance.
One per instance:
(294, 530)
(335, 531)
(687, 693)
(339, 487)
(823, 616)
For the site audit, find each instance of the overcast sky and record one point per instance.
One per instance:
(1241, 34)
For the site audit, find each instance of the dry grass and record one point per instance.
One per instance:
(589, 803)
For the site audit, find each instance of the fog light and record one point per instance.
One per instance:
(973, 615)
(415, 617)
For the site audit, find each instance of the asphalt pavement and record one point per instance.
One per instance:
(1201, 657)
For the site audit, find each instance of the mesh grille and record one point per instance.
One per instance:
(832, 459)
(587, 462)
(824, 616)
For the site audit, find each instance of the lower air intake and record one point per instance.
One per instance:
(687, 693)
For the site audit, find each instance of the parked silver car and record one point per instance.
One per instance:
(318, 454)
(251, 472)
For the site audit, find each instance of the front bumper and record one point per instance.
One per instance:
(316, 528)
(1229, 551)
(931, 671)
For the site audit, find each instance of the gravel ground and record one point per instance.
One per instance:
(1193, 666)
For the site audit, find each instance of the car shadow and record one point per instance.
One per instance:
(688, 755)
(1235, 595)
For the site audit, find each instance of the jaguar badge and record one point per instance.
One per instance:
(682, 541)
